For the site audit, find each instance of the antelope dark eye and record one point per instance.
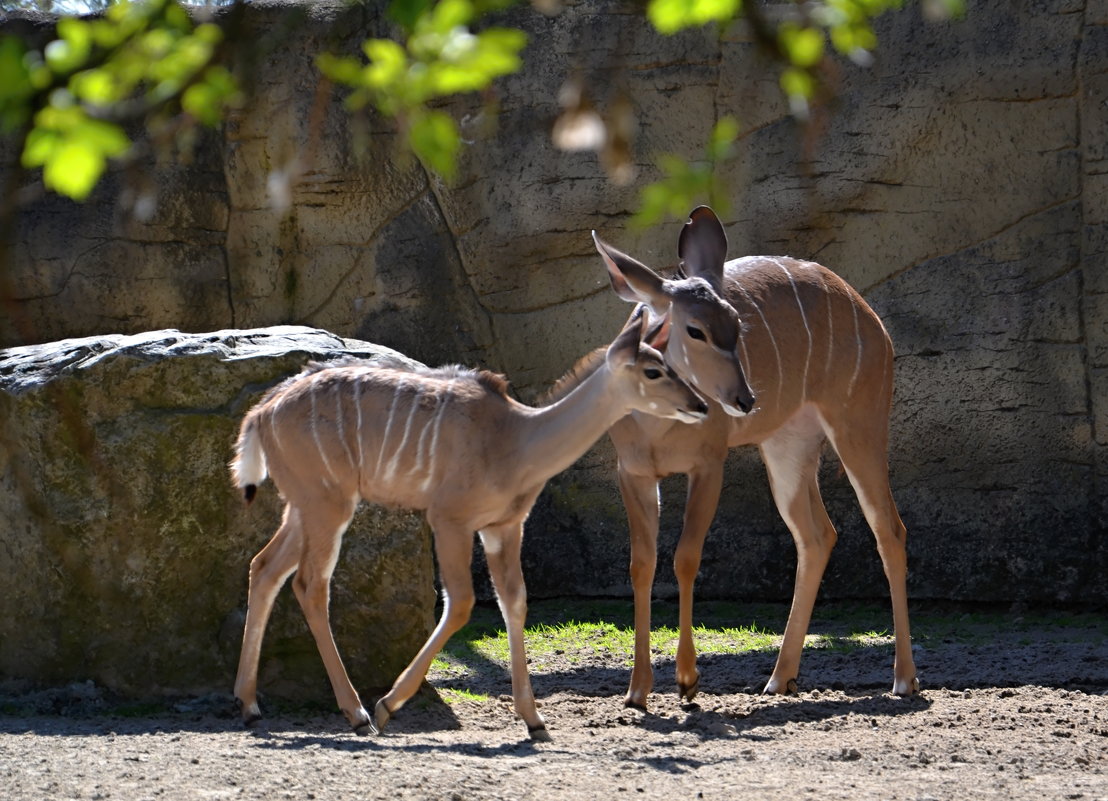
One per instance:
(695, 333)
(652, 374)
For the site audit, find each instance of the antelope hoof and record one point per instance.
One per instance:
(687, 692)
(251, 714)
(631, 703)
(773, 688)
(381, 716)
(363, 724)
(539, 734)
(906, 690)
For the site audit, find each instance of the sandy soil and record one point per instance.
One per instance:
(1019, 714)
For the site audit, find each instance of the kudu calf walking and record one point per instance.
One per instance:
(448, 441)
(792, 356)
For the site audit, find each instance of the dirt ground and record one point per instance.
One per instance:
(1013, 713)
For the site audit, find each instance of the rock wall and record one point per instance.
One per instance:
(126, 551)
(959, 183)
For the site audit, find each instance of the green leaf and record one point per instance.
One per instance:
(723, 136)
(61, 57)
(447, 79)
(95, 86)
(671, 16)
(16, 85)
(447, 15)
(797, 83)
(39, 146)
(104, 137)
(667, 16)
(206, 99)
(652, 204)
(843, 39)
(388, 62)
(209, 34)
(72, 148)
(203, 102)
(340, 69)
(73, 168)
(435, 140)
(72, 50)
(804, 46)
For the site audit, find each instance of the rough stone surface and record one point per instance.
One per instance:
(125, 546)
(959, 183)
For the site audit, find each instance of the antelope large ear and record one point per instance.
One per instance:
(702, 247)
(625, 348)
(632, 280)
(657, 336)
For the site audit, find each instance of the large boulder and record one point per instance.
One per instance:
(125, 548)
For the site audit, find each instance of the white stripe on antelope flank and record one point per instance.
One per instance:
(804, 319)
(772, 341)
(315, 433)
(396, 395)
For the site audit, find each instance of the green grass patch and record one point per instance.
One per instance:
(455, 695)
(575, 631)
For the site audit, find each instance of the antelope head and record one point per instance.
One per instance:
(700, 333)
(646, 383)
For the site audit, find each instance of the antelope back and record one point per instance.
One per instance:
(808, 337)
(388, 435)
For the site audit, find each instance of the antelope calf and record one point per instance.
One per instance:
(449, 442)
(791, 356)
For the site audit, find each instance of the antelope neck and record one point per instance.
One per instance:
(559, 434)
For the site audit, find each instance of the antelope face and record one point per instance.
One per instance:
(704, 342)
(660, 392)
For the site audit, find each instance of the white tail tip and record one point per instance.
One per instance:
(248, 468)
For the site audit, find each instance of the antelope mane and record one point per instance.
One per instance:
(493, 382)
(585, 367)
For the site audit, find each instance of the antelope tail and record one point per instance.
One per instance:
(248, 468)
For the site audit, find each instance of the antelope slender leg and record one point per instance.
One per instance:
(454, 551)
(700, 507)
(323, 526)
(868, 471)
(269, 570)
(502, 551)
(792, 461)
(640, 498)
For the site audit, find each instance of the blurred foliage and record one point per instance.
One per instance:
(684, 183)
(149, 61)
(73, 97)
(800, 34)
(441, 57)
(800, 38)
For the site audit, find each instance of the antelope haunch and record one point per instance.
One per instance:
(792, 344)
(448, 441)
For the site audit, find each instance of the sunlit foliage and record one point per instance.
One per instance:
(442, 56)
(685, 183)
(70, 101)
(146, 61)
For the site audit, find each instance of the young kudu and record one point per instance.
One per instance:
(792, 356)
(448, 441)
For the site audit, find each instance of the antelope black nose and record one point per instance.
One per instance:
(701, 407)
(746, 404)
